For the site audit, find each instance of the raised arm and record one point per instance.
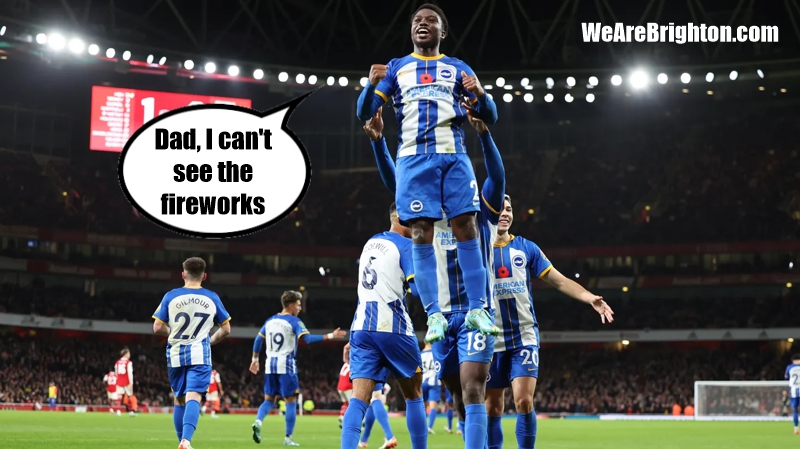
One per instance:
(483, 105)
(376, 93)
(374, 129)
(494, 188)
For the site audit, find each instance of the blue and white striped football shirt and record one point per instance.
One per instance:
(282, 333)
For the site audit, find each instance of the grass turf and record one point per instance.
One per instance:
(24, 430)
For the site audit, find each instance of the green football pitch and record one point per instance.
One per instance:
(24, 430)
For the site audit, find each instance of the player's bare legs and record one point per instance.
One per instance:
(523, 389)
(470, 259)
(453, 384)
(425, 277)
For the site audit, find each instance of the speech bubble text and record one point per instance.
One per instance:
(216, 171)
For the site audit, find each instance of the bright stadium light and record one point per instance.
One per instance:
(500, 81)
(343, 81)
(568, 98)
(2, 30)
(162, 61)
(233, 70)
(94, 49)
(590, 98)
(625, 342)
(525, 82)
(571, 81)
(312, 79)
(126, 55)
(258, 74)
(300, 78)
(507, 98)
(709, 77)
(594, 81)
(685, 78)
(110, 53)
(76, 46)
(760, 73)
(41, 38)
(548, 98)
(639, 79)
(56, 41)
(662, 78)
(734, 74)
(363, 81)
(150, 59)
(331, 81)
(550, 83)
(527, 97)
(616, 80)
(188, 64)
(210, 67)
(283, 77)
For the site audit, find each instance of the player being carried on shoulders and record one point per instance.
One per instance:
(186, 316)
(282, 333)
(793, 376)
(434, 172)
(464, 354)
(382, 338)
(516, 351)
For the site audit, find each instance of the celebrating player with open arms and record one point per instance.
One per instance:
(282, 333)
(516, 351)
(464, 354)
(186, 315)
(434, 172)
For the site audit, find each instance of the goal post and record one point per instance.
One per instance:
(740, 400)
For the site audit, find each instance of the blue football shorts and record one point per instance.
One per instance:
(432, 393)
(284, 385)
(795, 403)
(460, 345)
(513, 363)
(189, 379)
(374, 354)
(428, 184)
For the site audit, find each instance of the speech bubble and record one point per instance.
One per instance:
(216, 171)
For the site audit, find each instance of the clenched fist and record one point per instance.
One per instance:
(471, 84)
(376, 73)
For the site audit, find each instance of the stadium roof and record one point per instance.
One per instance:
(491, 35)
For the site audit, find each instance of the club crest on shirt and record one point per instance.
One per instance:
(446, 74)
(519, 261)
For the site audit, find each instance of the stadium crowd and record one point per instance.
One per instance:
(573, 379)
(709, 181)
(556, 314)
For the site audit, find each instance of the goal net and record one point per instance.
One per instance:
(741, 400)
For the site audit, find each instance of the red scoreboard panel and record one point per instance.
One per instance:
(118, 112)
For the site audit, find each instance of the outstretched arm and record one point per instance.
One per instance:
(376, 93)
(576, 291)
(308, 338)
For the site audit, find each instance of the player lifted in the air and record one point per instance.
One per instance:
(186, 316)
(793, 376)
(282, 333)
(434, 172)
(464, 353)
(382, 337)
(517, 262)
(431, 385)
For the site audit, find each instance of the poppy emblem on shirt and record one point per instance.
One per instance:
(502, 272)
(426, 78)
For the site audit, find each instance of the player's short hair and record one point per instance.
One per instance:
(194, 267)
(796, 357)
(437, 10)
(124, 351)
(290, 297)
(392, 211)
(508, 198)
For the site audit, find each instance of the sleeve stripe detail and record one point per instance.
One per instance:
(303, 333)
(262, 335)
(159, 320)
(225, 322)
(410, 277)
(545, 271)
(489, 205)
(474, 100)
(382, 95)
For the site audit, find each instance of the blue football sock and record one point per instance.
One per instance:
(177, 419)
(382, 416)
(424, 259)
(415, 420)
(449, 414)
(795, 417)
(264, 409)
(461, 428)
(431, 417)
(496, 432)
(470, 260)
(475, 425)
(351, 424)
(369, 421)
(191, 415)
(291, 417)
(526, 430)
